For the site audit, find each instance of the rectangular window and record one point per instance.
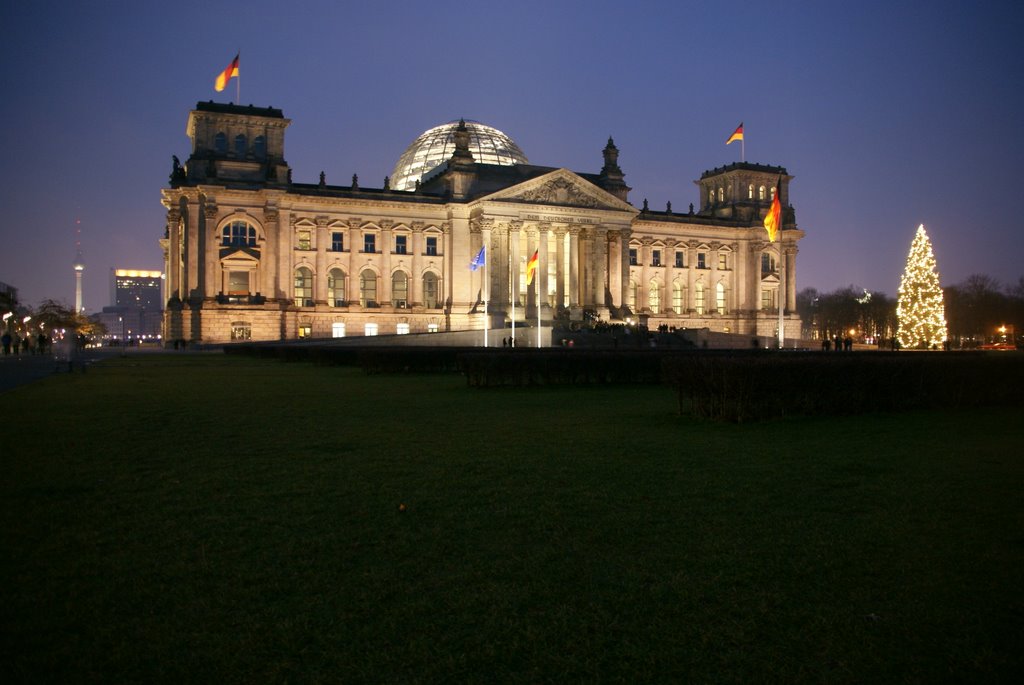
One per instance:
(402, 329)
(305, 242)
(338, 329)
(241, 331)
(337, 241)
(632, 256)
(702, 260)
(679, 259)
(431, 246)
(655, 257)
(768, 299)
(723, 261)
(433, 328)
(238, 283)
(370, 329)
(369, 243)
(305, 331)
(400, 244)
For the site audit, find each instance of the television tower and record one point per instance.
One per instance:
(79, 267)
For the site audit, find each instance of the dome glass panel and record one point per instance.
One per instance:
(436, 146)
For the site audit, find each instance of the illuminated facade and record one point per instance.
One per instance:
(250, 254)
(136, 310)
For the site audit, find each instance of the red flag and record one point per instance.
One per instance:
(222, 78)
(531, 266)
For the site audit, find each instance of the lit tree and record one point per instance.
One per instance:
(920, 309)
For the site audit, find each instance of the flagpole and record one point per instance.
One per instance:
(238, 80)
(512, 293)
(782, 292)
(538, 309)
(485, 284)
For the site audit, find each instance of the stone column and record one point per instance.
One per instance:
(791, 251)
(531, 288)
(208, 284)
(352, 286)
(600, 269)
(624, 266)
(588, 266)
(574, 267)
(691, 275)
(713, 254)
(173, 269)
(320, 277)
(560, 269)
(486, 276)
(543, 231)
(614, 248)
(514, 230)
(267, 276)
(416, 287)
(643, 287)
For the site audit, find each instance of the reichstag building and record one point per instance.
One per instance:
(251, 255)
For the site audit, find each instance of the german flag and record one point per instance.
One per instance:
(736, 135)
(773, 219)
(222, 78)
(531, 266)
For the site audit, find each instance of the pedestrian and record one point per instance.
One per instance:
(7, 343)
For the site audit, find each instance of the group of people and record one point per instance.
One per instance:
(13, 344)
(840, 344)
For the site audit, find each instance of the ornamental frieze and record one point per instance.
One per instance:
(559, 191)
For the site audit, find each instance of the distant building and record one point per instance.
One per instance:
(250, 254)
(136, 311)
(8, 297)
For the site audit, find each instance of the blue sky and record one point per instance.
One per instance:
(888, 114)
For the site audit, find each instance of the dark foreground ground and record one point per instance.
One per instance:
(202, 518)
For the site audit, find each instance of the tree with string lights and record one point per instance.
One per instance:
(920, 309)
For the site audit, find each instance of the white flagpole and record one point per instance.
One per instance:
(238, 81)
(512, 293)
(782, 284)
(485, 285)
(537, 278)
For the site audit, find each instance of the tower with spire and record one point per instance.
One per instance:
(79, 266)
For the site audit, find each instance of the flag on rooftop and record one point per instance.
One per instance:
(531, 266)
(479, 260)
(773, 219)
(222, 78)
(736, 135)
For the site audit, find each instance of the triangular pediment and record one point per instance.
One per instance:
(560, 188)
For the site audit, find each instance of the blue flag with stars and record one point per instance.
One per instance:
(478, 261)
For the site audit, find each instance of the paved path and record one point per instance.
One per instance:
(19, 369)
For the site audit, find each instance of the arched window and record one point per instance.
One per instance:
(767, 264)
(773, 194)
(303, 287)
(720, 297)
(367, 288)
(760, 193)
(430, 290)
(259, 147)
(698, 298)
(632, 294)
(654, 296)
(220, 143)
(240, 233)
(750, 192)
(240, 146)
(336, 288)
(399, 290)
(711, 196)
(677, 297)
(721, 194)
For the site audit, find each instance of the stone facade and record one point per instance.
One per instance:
(251, 255)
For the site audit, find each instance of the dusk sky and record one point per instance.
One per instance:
(888, 114)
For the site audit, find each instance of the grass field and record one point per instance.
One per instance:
(204, 518)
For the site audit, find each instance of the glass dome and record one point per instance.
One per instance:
(435, 146)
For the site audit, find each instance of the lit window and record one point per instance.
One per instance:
(401, 242)
(698, 298)
(750, 192)
(402, 328)
(338, 329)
(305, 330)
(239, 233)
(723, 260)
(399, 289)
(632, 295)
(768, 299)
(702, 260)
(303, 287)
(369, 242)
(433, 328)
(720, 297)
(721, 194)
(655, 257)
(711, 196)
(337, 241)
(431, 246)
(430, 290)
(632, 256)
(305, 240)
(241, 330)
(773, 193)
(370, 329)
(367, 289)
(336, 288)
(760, 193)
(677, 297)
(654, 297)
(679, 259)
(238, 283)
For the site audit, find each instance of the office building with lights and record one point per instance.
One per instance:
(251, 254)
(136, 311)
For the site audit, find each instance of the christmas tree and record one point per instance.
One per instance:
(920, 310)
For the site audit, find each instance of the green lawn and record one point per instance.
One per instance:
(208, 518)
